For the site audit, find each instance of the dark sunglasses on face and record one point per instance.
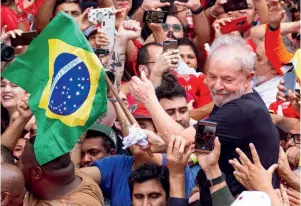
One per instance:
(175, 27)
(296, 137)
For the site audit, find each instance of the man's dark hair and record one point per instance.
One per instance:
(187, 42)
(150, 171)
(60, 162)
(108, 143)
(59, 2)
(7, 155)
(143, 55)
(170, 88)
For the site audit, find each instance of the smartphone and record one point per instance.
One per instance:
(297, 90)
(239, 24)
(170, 45)
(205, 136)
(289, 80)
(24, 39)
(158, 17)
(105, 18)
(235, 5)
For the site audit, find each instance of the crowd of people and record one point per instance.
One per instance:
(235, 79)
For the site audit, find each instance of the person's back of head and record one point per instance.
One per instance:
(170, 88)
(59, 171)
(6, 155)
(149, 181)
(12, 185)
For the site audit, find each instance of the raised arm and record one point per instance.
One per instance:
(44, 15)
(12, 134)
(128, 30)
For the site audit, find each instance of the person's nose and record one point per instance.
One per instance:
(178, 117)
(87, 159)
(218, 85)
(186, 60)
(7, 89)
(146, 202)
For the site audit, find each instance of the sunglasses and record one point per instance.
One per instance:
(296, 137)
(175, 27)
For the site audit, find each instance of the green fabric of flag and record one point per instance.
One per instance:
(66, 83)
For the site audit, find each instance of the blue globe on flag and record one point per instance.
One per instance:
(70, 84)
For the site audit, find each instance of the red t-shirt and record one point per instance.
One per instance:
(9, 18)
(195, 86)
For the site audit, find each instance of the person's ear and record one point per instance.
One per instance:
(36, 173)
(250, 76)
(112, 152)
(5, 198)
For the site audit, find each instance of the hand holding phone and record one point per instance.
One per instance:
(239, 24)
(205, 136)
(170, 45)
(24, 39)
(289, 81)
(158, 17)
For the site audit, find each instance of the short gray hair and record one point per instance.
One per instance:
(231, 46)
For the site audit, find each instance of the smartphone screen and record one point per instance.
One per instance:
(170, 45)
(289, 81)
(235, 5)
(158, 17)
(205, 136)
(24, 39)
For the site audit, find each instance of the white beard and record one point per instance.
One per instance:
(228, 98)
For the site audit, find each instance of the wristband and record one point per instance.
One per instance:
(272, 29)
(21, 18)
(210, 11)
(194, 159)
(197, 11)
(216, 181)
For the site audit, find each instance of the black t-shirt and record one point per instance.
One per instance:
(240, 122)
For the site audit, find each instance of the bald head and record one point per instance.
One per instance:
(12, 185)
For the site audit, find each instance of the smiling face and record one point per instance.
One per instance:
(226, 80)
(10, 94)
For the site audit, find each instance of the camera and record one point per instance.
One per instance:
(7, 52)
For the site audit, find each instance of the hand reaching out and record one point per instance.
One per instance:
(252, 175)
(217, 25)
(142, 89)
(156, 143)
(153, 4)
(7, 36)
(101, 39)
(166, 61)
(209, 161)
(178, 154)
(83, 21)
(276, 13)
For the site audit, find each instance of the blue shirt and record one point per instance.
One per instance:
(115, 171)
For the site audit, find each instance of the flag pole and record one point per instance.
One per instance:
(124, 108)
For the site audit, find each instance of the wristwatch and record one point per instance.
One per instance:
(216, 181)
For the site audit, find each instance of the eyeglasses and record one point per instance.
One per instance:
(148, 63)
(296, 137)
(175, 27)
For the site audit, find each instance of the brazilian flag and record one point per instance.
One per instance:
(66, 83)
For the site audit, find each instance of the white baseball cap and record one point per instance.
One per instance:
(251, 198)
